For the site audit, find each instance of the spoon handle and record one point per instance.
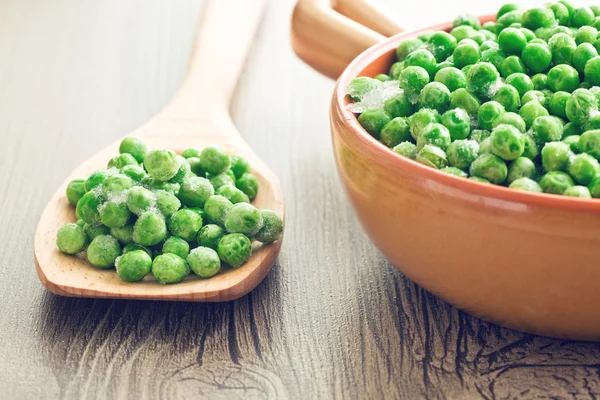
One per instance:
(222, 43)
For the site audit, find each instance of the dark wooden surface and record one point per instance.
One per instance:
(332, 320)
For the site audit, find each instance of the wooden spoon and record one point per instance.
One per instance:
(197, 117)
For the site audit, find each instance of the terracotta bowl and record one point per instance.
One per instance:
(526, 261)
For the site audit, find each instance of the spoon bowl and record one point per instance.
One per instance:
(197, 117)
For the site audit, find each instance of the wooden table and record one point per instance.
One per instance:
(332, 320)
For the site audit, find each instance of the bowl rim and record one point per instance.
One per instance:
(382, 152)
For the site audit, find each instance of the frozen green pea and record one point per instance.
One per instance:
(584, 53)
(442, 45)
(593, 122)
(134, 265)
(562, 47)
(239, 165)
(453, 78)
(547, 129)
(243, 218)
(80, 223)
(488, 113)
(466, 54)
(396, 132)
(533, 95)
(406, 47)
(135, 172)
(383, 77)
(419, 120)
(191, 152)
(373, 121)
(413, 79)
(493, 55)
(233, 194)
(204, 261)
(170, 268)
(580, 105)
(561, 13)
(214, 160)
(234, 249)
(115, 184)
(573, 142)
(512, 65)
(195, 191)
(478, 179)
(462, 98)
(216, 209)
(396, 106)
(176, 245)
(455, 171)
(75, 191)
(422, 58)
(508, 18)
(510, 118)
(539, 17)
(93, 230)
(359, 87)
(210, 235)
(490, 167)
(594, 187)
(272, 228)
(103, 251)
(521, 82)
(556, 182)
(556, 156)
(461, 153)
(526, 184)
(149, 229)
(512, 40)
(531, 111)
(96, 179)
(406, 149)
(71, 239)
(558, 104)
(435, 134)
(578, 191)
(195, 167)
(536, 57)
(583, 168)
(121, 161)
(589, 142)
(539, 81)
(133, 247)
(162, 165)
(445, 64)
(522, 167)
(248, 184)
(466, 20)
(458, 123)
(185, 224)
(479, 135)
(396, 69)
(114, 214)
(461, 32)
(123, 234)
(485, 146)
(432, 156)
(166, 202)
(507, 142)
(531, 149)
(134, 146)
(508, 96)
(582, 16)
(221, 179)
(140, 199)
(87, 207)
(564, 78)
(435, 95)
(481, 77)
(183, 171)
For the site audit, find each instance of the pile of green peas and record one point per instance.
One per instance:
(513, 102)
(166, 214)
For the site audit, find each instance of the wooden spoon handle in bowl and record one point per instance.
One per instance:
(329, 36)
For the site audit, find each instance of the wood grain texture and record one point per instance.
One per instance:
(332, 320)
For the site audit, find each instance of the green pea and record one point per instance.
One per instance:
(71, 239)
(531, 149)
(204, 261)
(547, 129)
(170, 268)
(413, 80)
(455, 171)
(582, 16)
(248, 184)
(239, 166)
(184, 224)
(373, 121)
(195, 191)
(210, 235)
(432, 156)
(442, 45)
(466, 20)
(93, 230)
(272, 228)
(556, 156)
(594, 187)
(508, 96)
(510, 119)
(562, 47)
(182, 172)
(195, 166)
(533, 95)
(596, 24)
(490, 167)
(87, 208)
(458, 123)
(216, 209)
(558, 104)
(75, 191)
(461, 32)
(522, 167)
(526, 184)
(383, 77)
(578, 191)
(177, 246)
(121, 161)
(509, 18)
(103, 251)
(481, 77)
(233, 194)
(406, 149)
(489, 44)
(506, 8)
(583, 168)
(592, 71)
(589, 142)
(234, 249)
(521, 82)
(512, 40)
(134, 146)
(485, 146)
(161, 165)
(538, 18)
(478, 179)
(563, 78)
(596, 10)
(568, 5)
(96, 179)
(134, 265)
(135, 172)
(479, 135)
(580, 105)
(573, 142)
(435, 134)
(495, 56)
(422, 58)
(445, 64)
(357, 89)
(556, 182)
(221, 179)
(536, 57)
(462, 98)
(395, 70)
(406, 47)
(561, 13)
(507, 142)
(461, 153)
(582, 55)
(395, 132)
(133, 247)
(243, 218)
(214, 160)
(488, 113)
(149, 229)
(396, 106)
(140, 199)
(465, 54)
(539, 81)
(116, 184)
(114, 214)
(512, 65)
(435, 95)
(191, 153)
(419, 120)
